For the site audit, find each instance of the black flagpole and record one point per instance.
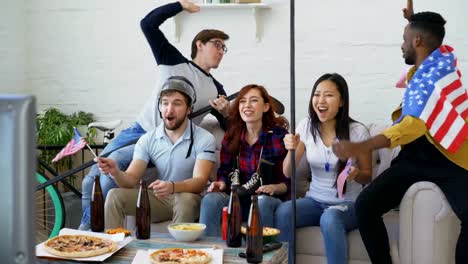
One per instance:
(293, 129)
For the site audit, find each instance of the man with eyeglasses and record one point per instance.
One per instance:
(208, 49)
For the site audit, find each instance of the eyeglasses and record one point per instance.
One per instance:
(219, 45)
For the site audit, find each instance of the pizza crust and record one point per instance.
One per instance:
(79, 246)
(179, 256)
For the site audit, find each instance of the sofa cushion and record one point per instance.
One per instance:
(310, 241)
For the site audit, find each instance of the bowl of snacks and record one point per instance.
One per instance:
(269, 234)
(186, 231)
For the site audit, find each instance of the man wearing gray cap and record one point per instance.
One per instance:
(183, 154)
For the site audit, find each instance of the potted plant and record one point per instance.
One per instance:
(55, 128)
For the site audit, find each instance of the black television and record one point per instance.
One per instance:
(17, 169)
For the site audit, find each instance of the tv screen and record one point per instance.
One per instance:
(17, 168)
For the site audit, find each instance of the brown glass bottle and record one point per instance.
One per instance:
(254, 250)
(143, 213)
(234, 236)
(97, 206)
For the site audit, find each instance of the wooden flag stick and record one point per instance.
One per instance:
(92, 151)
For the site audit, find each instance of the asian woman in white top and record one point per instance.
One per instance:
(328, 121)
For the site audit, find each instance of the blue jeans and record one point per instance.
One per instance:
(212, 206)
(335, 220)
(122, 156)
(268, 206)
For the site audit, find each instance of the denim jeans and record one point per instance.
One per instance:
(417, 161)
(335, 220)
(212, 205)
(122, 156)
(268, 206)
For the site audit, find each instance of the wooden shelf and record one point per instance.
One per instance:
(255, 7)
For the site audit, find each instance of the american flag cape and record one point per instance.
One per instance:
(75, 144)
(435, 94)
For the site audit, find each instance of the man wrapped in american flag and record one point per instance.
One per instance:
(430, 125)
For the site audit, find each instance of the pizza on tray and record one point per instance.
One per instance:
(79, 246)
(179, 256)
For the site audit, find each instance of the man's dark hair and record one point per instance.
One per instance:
(431, 26)
(204, 36)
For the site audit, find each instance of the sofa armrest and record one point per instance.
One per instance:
(428, 227)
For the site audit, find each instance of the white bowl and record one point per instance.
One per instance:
(186, 231)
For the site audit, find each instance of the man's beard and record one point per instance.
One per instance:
(410, 58)
(176, 126)
(409, 61)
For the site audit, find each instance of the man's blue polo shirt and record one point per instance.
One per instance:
(169, 159)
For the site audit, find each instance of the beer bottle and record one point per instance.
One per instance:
(143, 213)
(234, 236)
(254, 250)
(97, 206)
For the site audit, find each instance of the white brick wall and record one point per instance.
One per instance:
(91, 55)
(12, 46)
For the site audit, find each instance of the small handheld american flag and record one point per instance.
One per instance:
(75, 145)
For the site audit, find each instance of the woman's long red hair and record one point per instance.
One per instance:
(237, 125)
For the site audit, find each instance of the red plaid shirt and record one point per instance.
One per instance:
(273, 151)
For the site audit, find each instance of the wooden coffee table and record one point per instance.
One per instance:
(164, 240)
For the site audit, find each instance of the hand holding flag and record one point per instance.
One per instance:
(72, 147)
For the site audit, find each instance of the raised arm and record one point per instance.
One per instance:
(163, 51)
(408, 11)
